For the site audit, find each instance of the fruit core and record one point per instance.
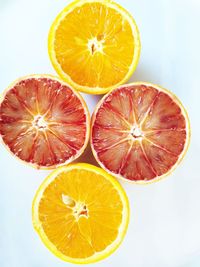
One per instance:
(136, 132)
(39, 123)
(79, 209)
(95, 45)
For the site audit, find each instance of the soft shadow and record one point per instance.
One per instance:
(143, 75)
(87, 157)
(91, 101)
(95, 97)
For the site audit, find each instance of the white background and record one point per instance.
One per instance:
(164, 229)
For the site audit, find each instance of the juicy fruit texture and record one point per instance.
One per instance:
(43, 121)
(139, 132)
(81, 213)
(94, 45)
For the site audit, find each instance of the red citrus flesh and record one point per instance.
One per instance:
(139, 132)
(43, 121)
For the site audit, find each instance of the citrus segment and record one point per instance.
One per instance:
(81, 213)
(43, 121)
(140, 132)
(94, 45)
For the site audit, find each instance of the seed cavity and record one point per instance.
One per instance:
(136, 132)
(39, 123)
(96, 44)
(78, 208)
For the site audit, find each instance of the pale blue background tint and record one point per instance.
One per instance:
(165, 217)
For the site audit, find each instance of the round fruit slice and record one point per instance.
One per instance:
(140, 132)
(81, 213)
(43, 121)
(94, 45)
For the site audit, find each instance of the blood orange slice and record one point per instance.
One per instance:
(43, 121)
(140, 132)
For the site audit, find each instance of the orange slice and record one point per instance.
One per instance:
(94, 45)
(140, 132)
(43, 121)
(81, 213)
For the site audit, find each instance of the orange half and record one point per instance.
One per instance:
(81, 213)
(94, 45)
(140, 132)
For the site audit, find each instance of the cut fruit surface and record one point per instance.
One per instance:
(43, 121)
(140, 132)
(94, 45)
(81, 213)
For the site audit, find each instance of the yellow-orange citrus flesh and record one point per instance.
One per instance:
(81, 213)
(140, 132)
(43, 121)
(94, 45)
